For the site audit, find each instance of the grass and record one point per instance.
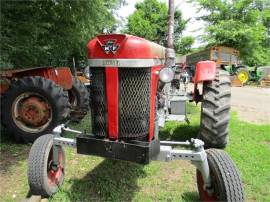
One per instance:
(91, 178)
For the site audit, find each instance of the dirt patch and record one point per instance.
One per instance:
(252, 103)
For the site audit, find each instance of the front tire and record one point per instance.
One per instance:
(215, 111)
(33, 106)
(225, 178)
(42, 178)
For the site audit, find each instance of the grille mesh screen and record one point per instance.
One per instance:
(98, 102)
(134, 102)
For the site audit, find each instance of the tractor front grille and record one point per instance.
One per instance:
(133, 102)
(98, 102)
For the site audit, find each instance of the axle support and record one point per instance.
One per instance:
(137, 151)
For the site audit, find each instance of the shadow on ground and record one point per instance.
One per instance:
(181, 132)
(111, 180)
(190, 196)
(11, 153)
(114, 180)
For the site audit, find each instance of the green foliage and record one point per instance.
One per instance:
(183, 45)
(150, 21)
(46, 32)
(242, 24)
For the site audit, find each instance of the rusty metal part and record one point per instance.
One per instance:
(34, 111)
(83, 79)
(31, 112)
(61, 75)
(4, 85)
(11, 72)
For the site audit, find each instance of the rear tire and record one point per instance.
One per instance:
(215, 111)
(42, 179)
(243, 75)
(226, 182)
(45, 91)
(79, 97)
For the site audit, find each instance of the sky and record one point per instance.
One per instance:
(194, 27)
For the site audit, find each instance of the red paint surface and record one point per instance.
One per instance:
(54, 176)
(204, 196)
(154, 83)
(130, 47)
(61, 75)
(112, 101)
(64, 77)
(205, 71)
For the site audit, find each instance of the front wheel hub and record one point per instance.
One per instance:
(34, 111)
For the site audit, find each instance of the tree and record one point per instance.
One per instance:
(150, 21)
(35, 33)
(240, 24)
(183, 45)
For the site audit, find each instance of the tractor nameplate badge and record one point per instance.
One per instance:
(110, 46)
(111, 63)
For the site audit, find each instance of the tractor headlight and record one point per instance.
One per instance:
(86, 72)
(166, 75)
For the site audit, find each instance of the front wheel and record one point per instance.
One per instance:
(44, 177)
(225, 178)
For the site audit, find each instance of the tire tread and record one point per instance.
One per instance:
(35, 83)
(215, 112)
(228, 175)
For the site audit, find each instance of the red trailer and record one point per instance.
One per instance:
(132, 93)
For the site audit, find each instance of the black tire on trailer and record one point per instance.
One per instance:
(215, 111)
(42, 178)
(79, 96)
(226, 182)
(33, 106)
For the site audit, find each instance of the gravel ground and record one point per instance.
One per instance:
(252, 103)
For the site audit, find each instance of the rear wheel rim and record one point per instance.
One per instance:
(243, 76)
(31, 112)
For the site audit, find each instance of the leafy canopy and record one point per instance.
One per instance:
(184, 45)
(150, 21)
(242, 24)
(48, 32)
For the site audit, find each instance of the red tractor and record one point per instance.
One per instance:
(133, 92)
(35, 100)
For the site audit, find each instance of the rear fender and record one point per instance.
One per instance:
(61, 75)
